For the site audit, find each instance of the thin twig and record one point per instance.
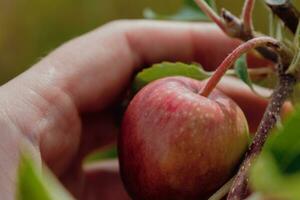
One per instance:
(247, 16)
(286, 11)
(239, 190)
(218, 195)
(233, 26)
(211, 14)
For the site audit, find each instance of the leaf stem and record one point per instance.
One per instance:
(211, 14)
(231, 58)
(247, 16)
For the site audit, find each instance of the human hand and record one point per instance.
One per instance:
(64, 105)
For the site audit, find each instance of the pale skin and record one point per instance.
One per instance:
(63, 106)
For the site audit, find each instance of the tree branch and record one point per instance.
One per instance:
(211, 14)
(237, 31)
(243, 29)
(285, 87)
(286, 11)
(233, 27)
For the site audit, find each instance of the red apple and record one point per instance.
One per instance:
(177, 144)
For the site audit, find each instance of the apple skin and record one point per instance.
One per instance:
(178, 145)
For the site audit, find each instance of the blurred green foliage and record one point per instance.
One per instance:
(30, 29)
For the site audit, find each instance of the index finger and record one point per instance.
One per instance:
(93, 69)
(89, 73)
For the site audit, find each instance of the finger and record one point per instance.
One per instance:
(102, 180)
(97, 180)
(96, 67)
(100, 129)
(91, 72)
(104, 185)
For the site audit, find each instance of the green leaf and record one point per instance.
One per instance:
(241, 70)
(166, 69)
(189, 12)
(36, 184)
(277, 170)
(105, 154)
(267, 178)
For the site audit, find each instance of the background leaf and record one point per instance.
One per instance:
(241, 70)
(277, 170)
(107, 153)
(192, 4)
(189, 12)
(166, 69)
(34, 184)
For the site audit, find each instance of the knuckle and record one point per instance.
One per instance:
(125, 24)
(121, 23)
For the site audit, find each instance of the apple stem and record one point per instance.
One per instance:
(232, 57)
(247, 16)
(211, 14)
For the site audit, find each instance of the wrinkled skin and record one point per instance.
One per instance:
(177, 144)
(63, 106)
